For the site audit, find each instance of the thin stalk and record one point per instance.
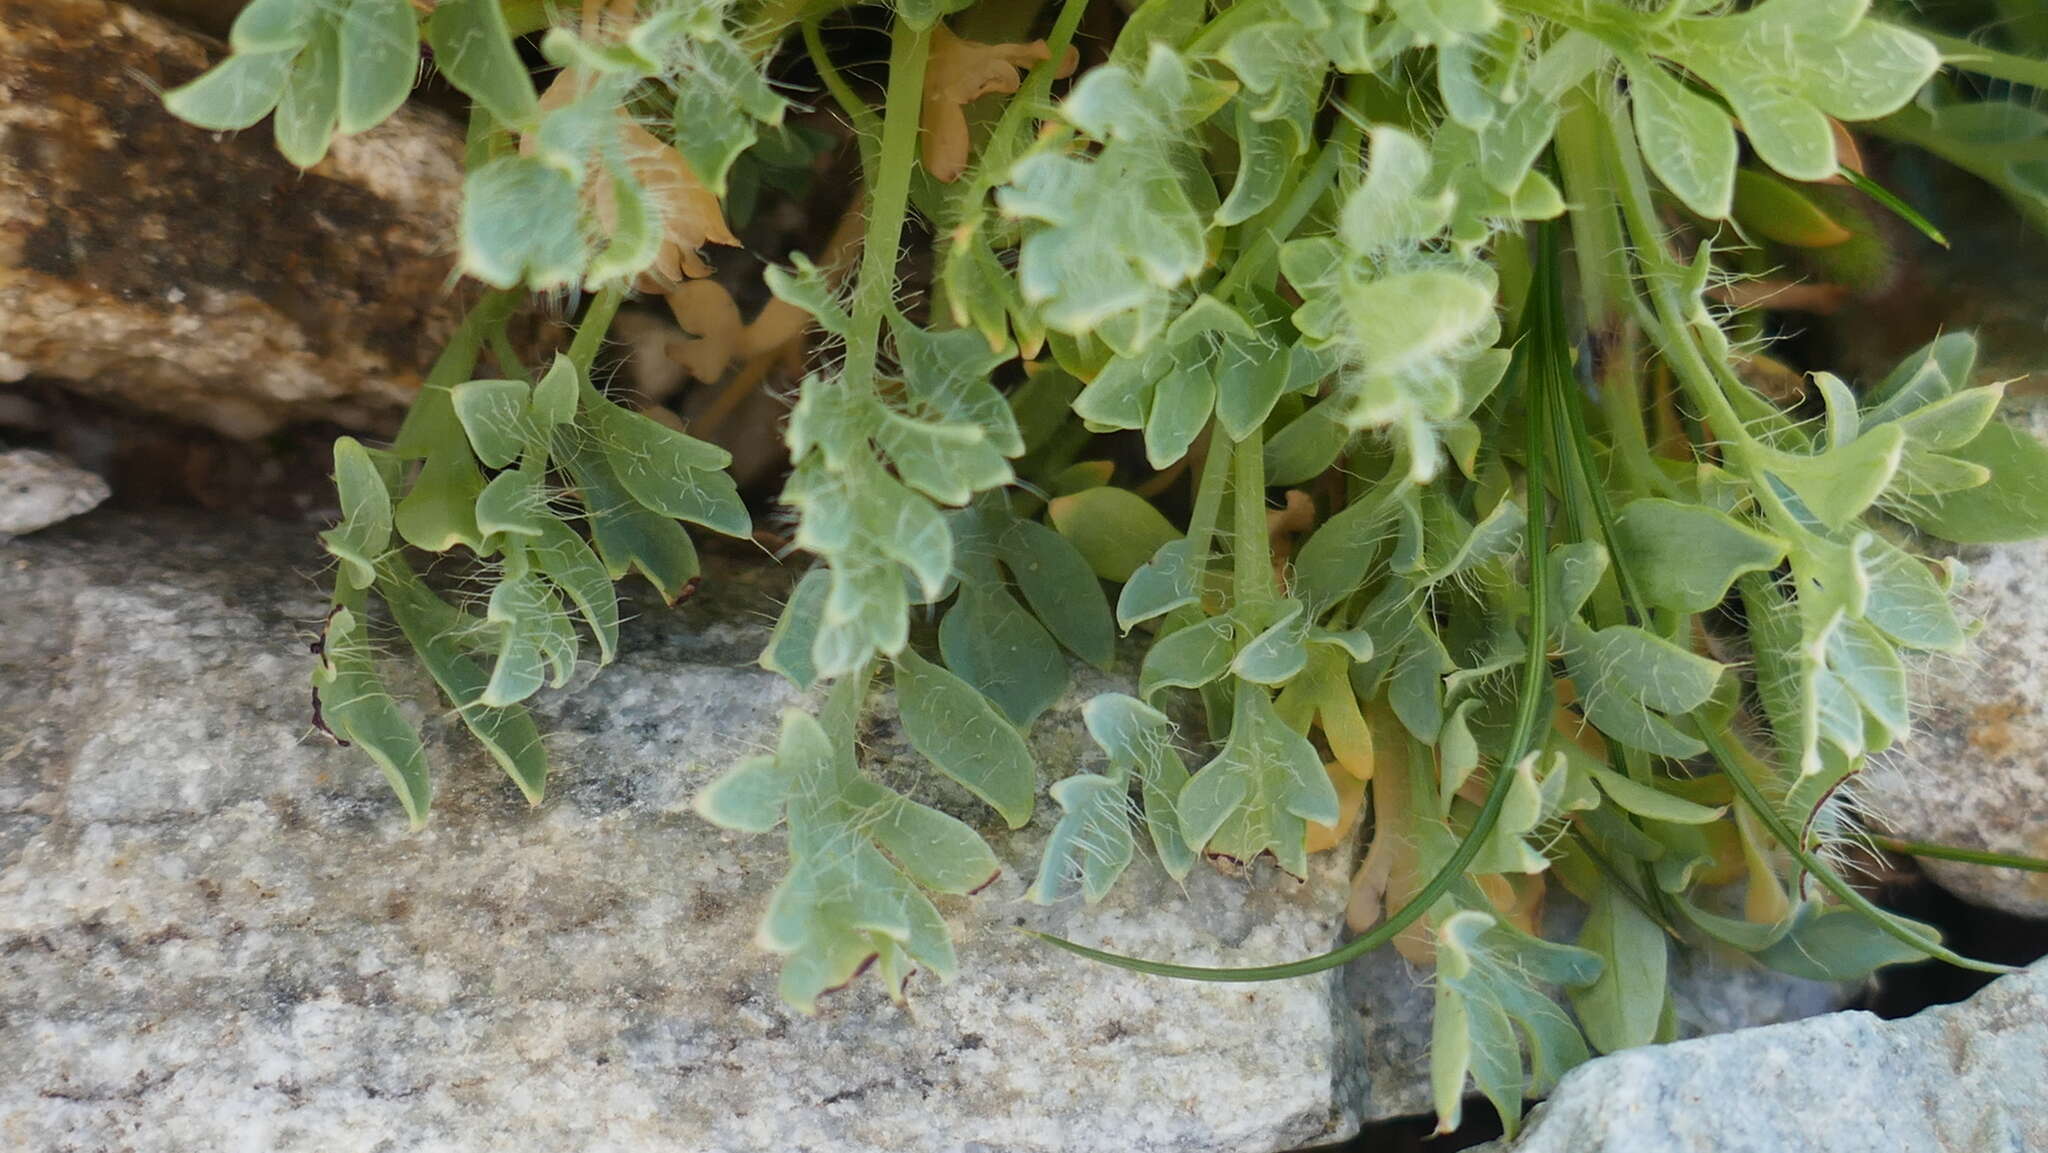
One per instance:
(1251, 552)
(1957, 853)
(1971, 56)
(597, 320)
(889, 202)
(866, 128)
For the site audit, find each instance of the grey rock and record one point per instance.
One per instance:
(1975, 772)
(198, 275)
(38, 489)
(1968, 1078)
(216, 931)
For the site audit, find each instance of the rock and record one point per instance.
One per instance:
(1975, 773)
(215, 930)
(1968, 1078)
(204, 278)
(38, 489)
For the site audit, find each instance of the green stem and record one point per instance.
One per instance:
(1529, 714)
(1270, 230)
(1661, 274)
(866, 129)
(597, 320)
(1209, 500)
(1955, 853)
(1971, 56)
(888, 202)
(1251, 553)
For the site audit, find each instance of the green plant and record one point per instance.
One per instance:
(1575, 600)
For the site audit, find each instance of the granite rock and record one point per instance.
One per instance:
(1968, 1078)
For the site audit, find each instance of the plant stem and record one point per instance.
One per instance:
(866, 129)
(1971, 56)
(1251, 553)
(1956, 853)
(597, 320)
(888, 202)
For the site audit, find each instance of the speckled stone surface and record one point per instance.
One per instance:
(216, 932)
(39, 489)
(1968, 1078)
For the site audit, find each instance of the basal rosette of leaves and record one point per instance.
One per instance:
(1379, 365)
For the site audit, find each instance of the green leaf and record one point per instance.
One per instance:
(358, 709)
(1684, 556)
(522, 224)
(364, 534)
(438, 633)
(1092, 844)
(380, 54)
(1259, 793)
(720, 105)
(1114, 529)
(304, 124)
(1903, 599)
(440, 511)
(473, 48)
(964, 736)
(494, 415)
(2011, 506)
(1840, 945)
(1622, 1008)
(561, 556)
(629, 537)
(1839, 485)
(1188, 657)
(1060, 588)
(670, 472)
(1688, 141)
(1487, 979)
(1280, 652)
(1649, 801)
(947, 462)
(844, 904)
(513, 502)
(1159, 586)
(274, 26)
(796, 630)
(235, 93)
(1628, 679)
(994, 645)
(948, 373)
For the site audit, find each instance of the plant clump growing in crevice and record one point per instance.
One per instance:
(1393, 368)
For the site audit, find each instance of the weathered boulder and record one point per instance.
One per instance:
(1975, 772)
(38, 489)
(215, 926)
(1968, 1078)
(202, 277)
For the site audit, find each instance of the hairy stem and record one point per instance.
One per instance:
(888, 202)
